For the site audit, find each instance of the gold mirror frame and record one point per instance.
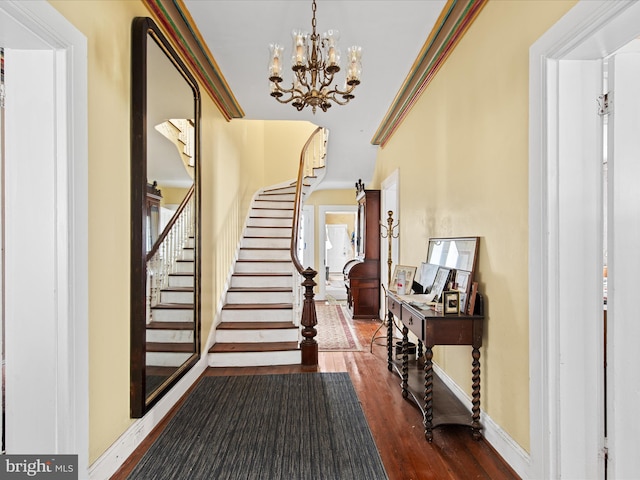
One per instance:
(145, 37)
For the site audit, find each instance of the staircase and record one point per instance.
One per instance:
(257, 325)
(170, 332)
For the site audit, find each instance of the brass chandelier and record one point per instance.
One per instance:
(314, 66)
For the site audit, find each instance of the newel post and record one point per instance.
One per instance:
(309, 346)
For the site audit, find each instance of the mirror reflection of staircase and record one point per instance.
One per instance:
(170, 331)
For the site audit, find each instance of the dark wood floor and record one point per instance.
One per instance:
(396, 423)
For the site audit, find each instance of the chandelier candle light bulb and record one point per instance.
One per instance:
(314, 61)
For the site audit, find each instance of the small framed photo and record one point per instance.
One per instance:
(440, 283)
(451, 302)
(402, 273)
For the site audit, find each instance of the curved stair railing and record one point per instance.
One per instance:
(168, 248)
(312, 157)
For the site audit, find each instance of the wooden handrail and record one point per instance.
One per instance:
(308, 346)
(173, 220)
(297, 205)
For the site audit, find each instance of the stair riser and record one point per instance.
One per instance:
(257, 336)
(270, 222)
(279, 315)
(181, 281)
(278, 196)
(191, 243)
(257, 359)
(177, 297)
(268, 231)
(259, 297)
(264, 267)
(184, 267)
(166, 359)
(256, 212)
(266, 242)
(169, 336)
(277, 205)
(261, 254)
(187, 254)
(172, 315)
(260, 281)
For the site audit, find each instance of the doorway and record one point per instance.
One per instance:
(336, 240)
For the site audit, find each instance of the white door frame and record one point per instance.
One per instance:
(63, 169)
(322, 221)
(565, 342)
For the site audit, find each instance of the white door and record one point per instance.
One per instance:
(623, 332)
(338, 247)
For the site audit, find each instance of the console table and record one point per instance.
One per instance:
(433, 328)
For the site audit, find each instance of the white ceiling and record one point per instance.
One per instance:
(391, 34)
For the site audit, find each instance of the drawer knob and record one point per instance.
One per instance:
(410, 320)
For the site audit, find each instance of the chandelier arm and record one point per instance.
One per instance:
(333, 98)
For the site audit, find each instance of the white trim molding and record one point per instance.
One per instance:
(41, 28)
(562, 208)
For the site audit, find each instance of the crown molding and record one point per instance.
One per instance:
(455, 19)
(178, 25)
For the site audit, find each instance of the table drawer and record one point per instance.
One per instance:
(413, 322)
(395, 307)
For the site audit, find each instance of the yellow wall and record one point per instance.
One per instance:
(235, 156)
(172, 195)
(282, 155)
(462, 154)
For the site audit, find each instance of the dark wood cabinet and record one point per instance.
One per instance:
(362, 275)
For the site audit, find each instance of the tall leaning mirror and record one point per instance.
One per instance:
(165, 217)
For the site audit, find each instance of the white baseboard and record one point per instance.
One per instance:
(115, 456)
(500, 440)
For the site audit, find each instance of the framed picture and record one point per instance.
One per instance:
(451, 302)
(462, 280)
(472, 298)
(440, 283)
(428, 273)
(403, 273)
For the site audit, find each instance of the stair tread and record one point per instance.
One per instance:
(182, 274)
(180, 347)
(262, 274)
(269, 226)
(170, 326)
(178, 289)
(265, 260)
(260, 289)
(255, 207)
(266, 236)
(258, 306)
(253, 347)
(173, 306)
(255, 325)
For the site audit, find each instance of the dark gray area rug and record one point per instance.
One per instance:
(291, 426)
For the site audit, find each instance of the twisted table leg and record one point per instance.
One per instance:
(428, 394)
(405, 362)
(475, 410)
